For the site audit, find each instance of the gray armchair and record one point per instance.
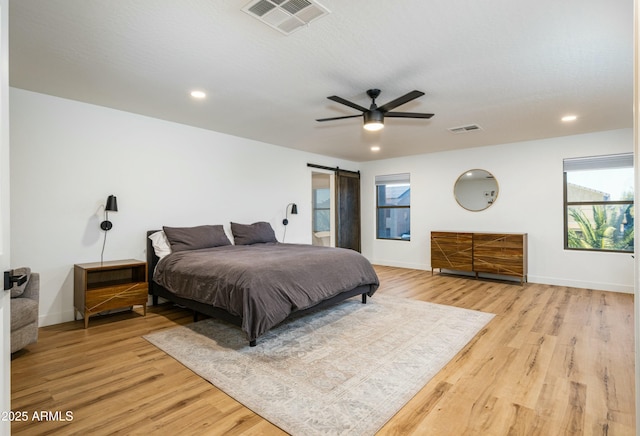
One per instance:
(24, 314)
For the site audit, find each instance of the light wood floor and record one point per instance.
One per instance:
(554, 361)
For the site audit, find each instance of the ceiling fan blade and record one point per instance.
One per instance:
(347, 103)
(339, 118)
(407, 115)
(400, 101)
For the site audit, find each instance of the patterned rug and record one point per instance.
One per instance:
(345, 370)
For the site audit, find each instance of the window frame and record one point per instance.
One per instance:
(593, 163)
(387, 180)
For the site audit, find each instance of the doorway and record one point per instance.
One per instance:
(323, 200)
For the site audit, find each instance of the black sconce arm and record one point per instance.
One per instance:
(294, 211)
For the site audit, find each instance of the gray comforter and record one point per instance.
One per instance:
(264, 283)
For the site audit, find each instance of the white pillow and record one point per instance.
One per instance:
(160, 244)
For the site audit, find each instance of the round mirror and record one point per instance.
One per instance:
(476, 190)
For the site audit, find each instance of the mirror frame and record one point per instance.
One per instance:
(489, 202)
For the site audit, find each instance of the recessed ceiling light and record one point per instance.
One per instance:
(569, 118)
(198, 94)
(375, 148)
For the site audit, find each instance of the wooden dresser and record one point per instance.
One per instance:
(491, 253)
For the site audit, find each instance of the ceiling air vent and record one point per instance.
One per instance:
(465, 129)
(285, 16)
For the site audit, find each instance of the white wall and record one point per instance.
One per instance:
(67, 157)
(529, 175)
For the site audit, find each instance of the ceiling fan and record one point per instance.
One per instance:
(374, 116)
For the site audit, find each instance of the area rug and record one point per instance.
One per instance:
(345, 370)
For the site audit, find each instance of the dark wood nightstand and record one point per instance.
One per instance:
(100, 286)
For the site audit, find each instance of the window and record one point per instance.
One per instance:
(321, 210)
(393, 207)
(598, 203)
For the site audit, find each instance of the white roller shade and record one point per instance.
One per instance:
(624, 160)
(393, 179)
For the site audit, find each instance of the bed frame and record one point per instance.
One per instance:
(157, 291)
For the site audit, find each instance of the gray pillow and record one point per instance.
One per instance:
(246, 234)
(18, 290)
(195, 238)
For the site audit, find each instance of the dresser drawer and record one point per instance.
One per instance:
(500, 253)
(452, 250)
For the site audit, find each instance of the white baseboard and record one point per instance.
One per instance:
(612, 287)
(55, 318)
(400, 264)
(556, 281)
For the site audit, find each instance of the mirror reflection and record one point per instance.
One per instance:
(476, 190)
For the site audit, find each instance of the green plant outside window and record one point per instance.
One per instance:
(599, 207)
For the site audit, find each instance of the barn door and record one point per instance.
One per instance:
(348, 210)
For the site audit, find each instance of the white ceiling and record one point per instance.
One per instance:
(512, 67)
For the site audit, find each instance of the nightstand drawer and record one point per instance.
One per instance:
(113, 297)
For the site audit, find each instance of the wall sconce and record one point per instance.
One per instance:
(294, 211)
(111, 206)
(106, 225)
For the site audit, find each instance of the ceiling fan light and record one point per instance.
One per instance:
(374, 126)
(198, 94)
(373, 120)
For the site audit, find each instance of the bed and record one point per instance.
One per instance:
(255, 283)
